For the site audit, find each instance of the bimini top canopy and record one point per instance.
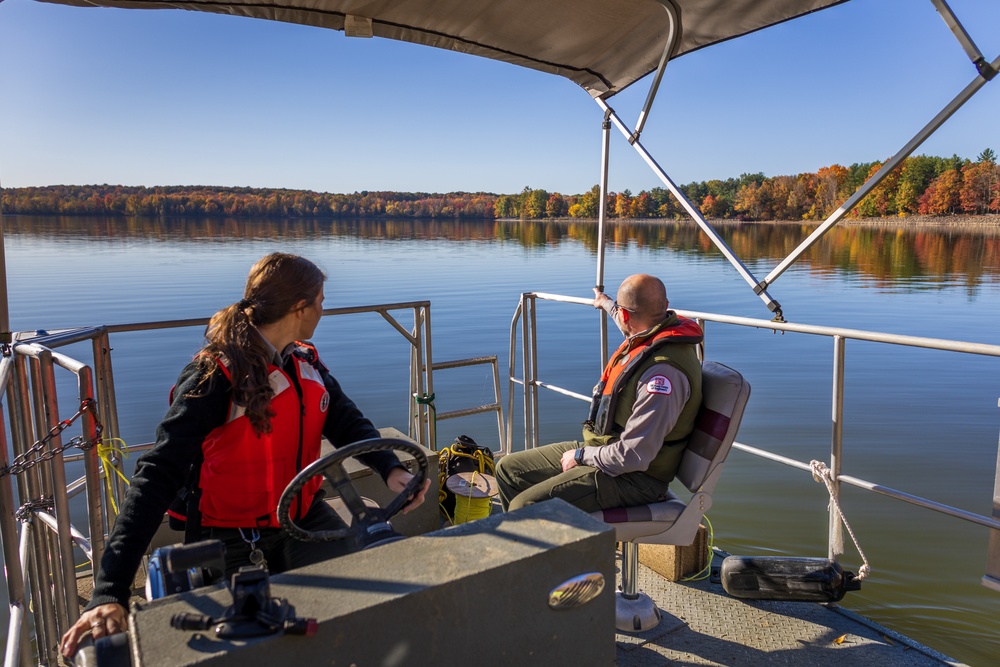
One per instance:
(602, 45)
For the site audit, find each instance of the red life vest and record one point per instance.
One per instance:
(243, 474)
(628, 357)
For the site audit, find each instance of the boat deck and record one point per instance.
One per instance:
(702, 625)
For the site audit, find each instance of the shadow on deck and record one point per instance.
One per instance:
(702, 625)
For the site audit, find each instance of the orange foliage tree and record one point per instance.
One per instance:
(979, 187)
(942, 195)
(829, 181)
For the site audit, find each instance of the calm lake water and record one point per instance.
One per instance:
(920, 421)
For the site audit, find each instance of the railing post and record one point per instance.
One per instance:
(534, 373)
(418, 412)
(992, 577)
(107, 403)
(429, 375)
(8, 534)
(836, 540)
(95, 492)
(415, 410)
(28, 487)
(512, 371)
(38, 485)
(526, 368)
(61, 564)
(18, 643)
(504, 446)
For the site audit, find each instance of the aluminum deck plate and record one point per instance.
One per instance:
(702, 625)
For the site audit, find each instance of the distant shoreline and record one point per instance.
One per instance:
(910, 221)
(982, 222)
(930, 221)
(964, 221)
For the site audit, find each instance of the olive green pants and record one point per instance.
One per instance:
(534, 475)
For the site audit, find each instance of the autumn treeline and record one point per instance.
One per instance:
(921, 185)
(199, 201)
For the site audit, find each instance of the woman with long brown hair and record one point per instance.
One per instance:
(246, 415)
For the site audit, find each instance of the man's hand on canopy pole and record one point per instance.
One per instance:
(602, 301)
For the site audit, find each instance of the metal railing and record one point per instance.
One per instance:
(525, 319)
(40, 564)
(496, 406)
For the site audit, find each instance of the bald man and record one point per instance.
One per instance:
(643, 409)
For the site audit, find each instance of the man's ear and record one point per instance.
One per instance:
(300, 306)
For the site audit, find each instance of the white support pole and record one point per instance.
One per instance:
(5, 334)
(991, 579)
(836, 538)
(602, 221)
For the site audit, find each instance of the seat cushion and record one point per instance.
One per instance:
(642, 520)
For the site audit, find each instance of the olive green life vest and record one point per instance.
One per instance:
(673, 341)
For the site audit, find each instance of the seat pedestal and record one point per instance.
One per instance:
(635, 613)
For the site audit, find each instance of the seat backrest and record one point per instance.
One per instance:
(724, 396)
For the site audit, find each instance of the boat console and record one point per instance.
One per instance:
(529, 587)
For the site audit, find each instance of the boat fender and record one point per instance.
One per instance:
(785, 578)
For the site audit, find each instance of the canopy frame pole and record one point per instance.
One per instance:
(886, 169)
(985, 69)
(758, 289)
(602, 221)
(6, 337)
(673, 36)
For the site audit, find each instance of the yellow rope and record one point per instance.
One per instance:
(484, 462)
(472, 508)
(105, 449)
(707, 571)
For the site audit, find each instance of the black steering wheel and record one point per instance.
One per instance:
(371, 524)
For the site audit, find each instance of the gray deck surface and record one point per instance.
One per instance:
(702, 625)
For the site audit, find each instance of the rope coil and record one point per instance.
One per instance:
(822, 473)
(465, 457)
(468, 508)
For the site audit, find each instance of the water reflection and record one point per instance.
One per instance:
(920, 421)
(919, 256)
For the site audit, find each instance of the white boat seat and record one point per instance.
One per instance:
(672, 521)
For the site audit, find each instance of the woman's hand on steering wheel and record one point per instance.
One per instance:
(410, 490)
(397, 481)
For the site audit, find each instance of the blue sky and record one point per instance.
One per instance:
(182, 98)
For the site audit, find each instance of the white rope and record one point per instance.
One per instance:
(821, 473)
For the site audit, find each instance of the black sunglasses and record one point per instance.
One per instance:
(619, 307)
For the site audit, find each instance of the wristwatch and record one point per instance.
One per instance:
(578, 456)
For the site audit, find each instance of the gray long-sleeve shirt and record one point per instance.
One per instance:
(662, 392)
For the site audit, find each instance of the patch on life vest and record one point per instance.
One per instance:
(659, 384)
(324, 402)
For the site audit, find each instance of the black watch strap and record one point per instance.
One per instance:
(578, 456)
